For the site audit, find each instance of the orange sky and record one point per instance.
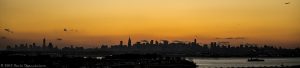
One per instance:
(109, 21)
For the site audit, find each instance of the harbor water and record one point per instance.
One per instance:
(242, 62)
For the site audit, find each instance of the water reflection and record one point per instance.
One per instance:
(242, 62)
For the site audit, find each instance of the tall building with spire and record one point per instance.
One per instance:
(195, 41)
(129, 42)
(44, 43)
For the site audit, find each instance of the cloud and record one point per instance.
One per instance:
(218, 38)
(3, 37)
(144, 41)
(59, 39)
(240, 38)
(178, 41)
(70, 30)
(8, 30)
(232, 38)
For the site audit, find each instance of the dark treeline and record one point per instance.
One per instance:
(177, 48)
(112, 61)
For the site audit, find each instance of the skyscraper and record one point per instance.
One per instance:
(151, 42)
(44, 43)
(129, 42)
(195, 41)
(50, 45)
(121, 43)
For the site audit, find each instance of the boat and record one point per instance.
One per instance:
(253, 54)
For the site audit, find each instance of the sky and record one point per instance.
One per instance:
(91, 23)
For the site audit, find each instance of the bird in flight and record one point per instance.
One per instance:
(65, 29)
(287, 3)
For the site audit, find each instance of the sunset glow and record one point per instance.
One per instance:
(94, 22)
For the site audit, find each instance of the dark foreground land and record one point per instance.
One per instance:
(13, 59)
(113, 61)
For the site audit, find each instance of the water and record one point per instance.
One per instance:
(242, 62)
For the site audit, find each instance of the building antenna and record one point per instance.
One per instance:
(196, 37)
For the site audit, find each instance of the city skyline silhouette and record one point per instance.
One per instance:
(233, 41)
(149, 34)
(179, 48)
